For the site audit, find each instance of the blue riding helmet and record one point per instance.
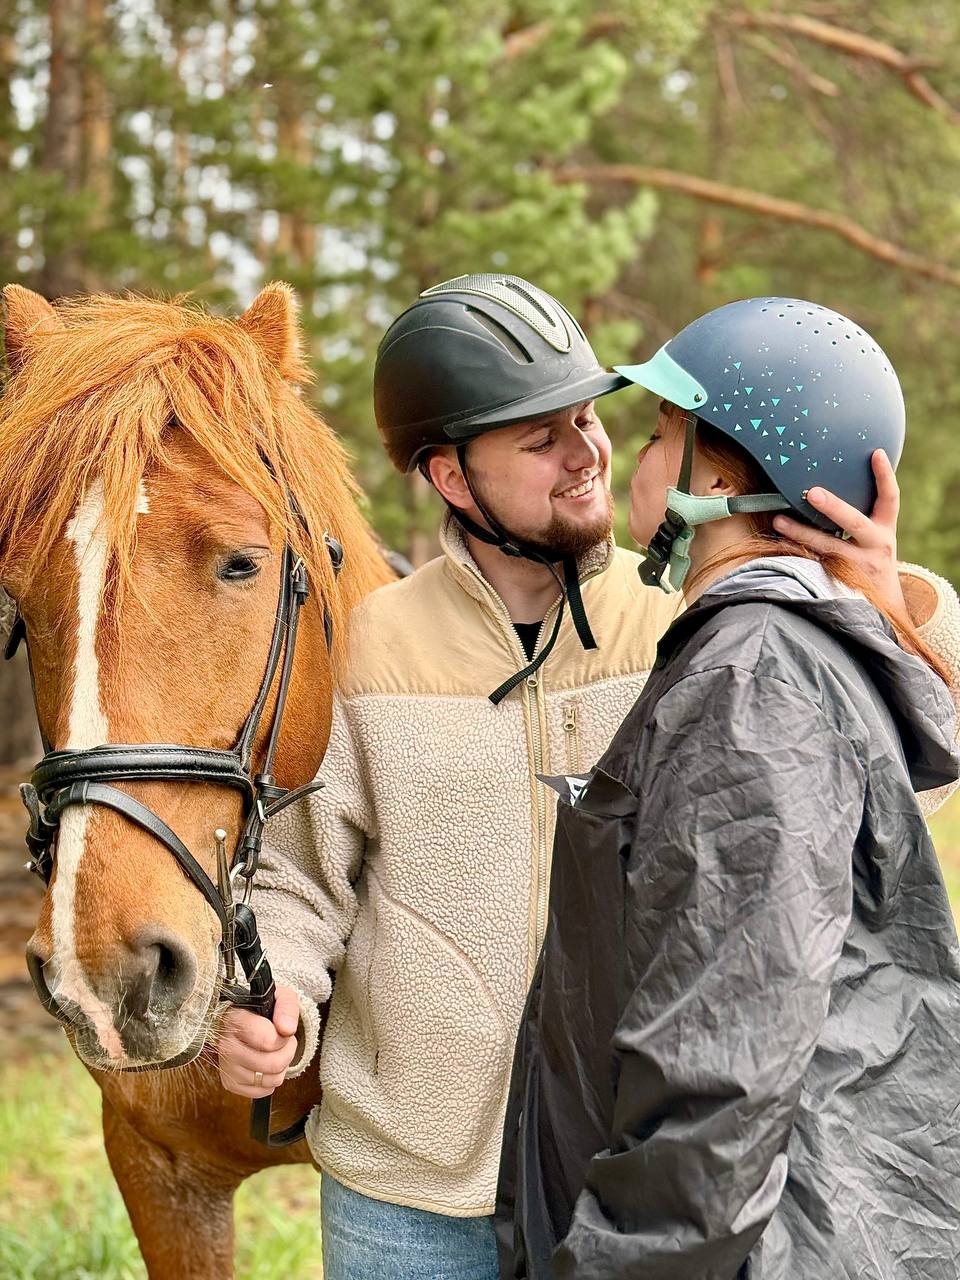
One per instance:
(804, 391)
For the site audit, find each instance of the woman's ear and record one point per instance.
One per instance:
(706, 481)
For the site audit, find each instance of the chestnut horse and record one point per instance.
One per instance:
(154, 463)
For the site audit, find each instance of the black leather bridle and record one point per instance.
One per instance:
(66, 778)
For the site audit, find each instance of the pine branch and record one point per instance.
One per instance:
(519, 41)
(757, 202)
(784, 58)
(855, 45)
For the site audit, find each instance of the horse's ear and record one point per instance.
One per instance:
(272, 320)
(27, 319)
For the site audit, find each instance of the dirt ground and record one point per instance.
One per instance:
(22, 1017)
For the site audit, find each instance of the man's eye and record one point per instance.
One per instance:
(542, 447)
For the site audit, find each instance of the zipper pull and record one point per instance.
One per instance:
(570, 718)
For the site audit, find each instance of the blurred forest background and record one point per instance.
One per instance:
(644, 160)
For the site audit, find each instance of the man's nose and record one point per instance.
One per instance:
(583, 453)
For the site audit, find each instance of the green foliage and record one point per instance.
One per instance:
(366, 153)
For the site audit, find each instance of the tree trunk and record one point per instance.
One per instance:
(97, 138)
(8, 57)
(62, 152)
(19, 737)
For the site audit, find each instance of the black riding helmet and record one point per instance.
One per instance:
(474, 354)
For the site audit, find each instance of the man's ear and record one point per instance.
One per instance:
(443, 472)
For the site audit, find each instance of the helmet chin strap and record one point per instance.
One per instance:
(667, 561)
(497, 536)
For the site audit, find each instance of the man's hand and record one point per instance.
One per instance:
(872, 545)
(255, 1052)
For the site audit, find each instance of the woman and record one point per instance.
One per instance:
(741, 1053)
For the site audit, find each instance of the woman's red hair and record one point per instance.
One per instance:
(742, 473)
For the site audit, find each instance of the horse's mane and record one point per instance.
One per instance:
(101, 396)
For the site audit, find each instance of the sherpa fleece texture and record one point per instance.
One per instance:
(420, 873)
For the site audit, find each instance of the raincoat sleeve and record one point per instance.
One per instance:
(304, 896)
(739, 899)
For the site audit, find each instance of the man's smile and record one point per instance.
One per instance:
(580, 490)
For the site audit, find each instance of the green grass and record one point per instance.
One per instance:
(61, 1215)
(946, 836)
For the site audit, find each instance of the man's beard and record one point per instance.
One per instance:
(561, 539)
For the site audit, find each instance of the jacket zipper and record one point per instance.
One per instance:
(534, 695)
(571, 737)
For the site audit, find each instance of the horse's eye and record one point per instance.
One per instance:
(237, 567)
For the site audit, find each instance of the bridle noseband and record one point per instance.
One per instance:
(66, 778)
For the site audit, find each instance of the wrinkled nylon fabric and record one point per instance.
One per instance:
(740, 1056)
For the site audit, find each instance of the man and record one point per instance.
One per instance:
(420, 873)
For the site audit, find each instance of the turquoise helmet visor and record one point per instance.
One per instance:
(662, 376)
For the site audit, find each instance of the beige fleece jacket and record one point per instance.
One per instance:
(420, 873)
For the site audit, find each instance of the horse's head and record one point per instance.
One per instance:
(154, 464)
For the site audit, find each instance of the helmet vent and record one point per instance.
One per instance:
(503, 336)
(530, 304)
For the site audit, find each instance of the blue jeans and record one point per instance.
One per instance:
(366, 1239)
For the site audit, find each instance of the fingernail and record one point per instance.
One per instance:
(780, 522)
(815, 495)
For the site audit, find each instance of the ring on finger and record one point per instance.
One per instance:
(257, 1079)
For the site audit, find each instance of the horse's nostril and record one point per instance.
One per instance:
(36, 961)
(160, 973)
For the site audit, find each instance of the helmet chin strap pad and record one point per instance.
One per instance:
(667, 560)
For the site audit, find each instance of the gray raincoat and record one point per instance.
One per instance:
(740, 1057)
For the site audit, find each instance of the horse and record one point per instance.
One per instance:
(160, 472)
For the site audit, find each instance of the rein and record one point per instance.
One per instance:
(66, 778)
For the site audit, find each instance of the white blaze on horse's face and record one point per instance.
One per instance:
(88, 727)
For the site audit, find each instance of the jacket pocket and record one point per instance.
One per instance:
(434, 1084)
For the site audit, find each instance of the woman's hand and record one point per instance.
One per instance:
(254, 1052)
(872, 545)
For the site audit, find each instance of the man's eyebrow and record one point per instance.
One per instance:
(541, 424)
(538, 424)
